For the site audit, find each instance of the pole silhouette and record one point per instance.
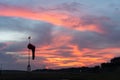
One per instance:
(29, 66)
(32, 48)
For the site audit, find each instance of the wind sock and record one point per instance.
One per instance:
(32, 47)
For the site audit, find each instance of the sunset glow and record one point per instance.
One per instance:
(65, 33)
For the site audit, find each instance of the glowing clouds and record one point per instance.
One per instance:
(61, 53)
(72, 57)
(53, 17)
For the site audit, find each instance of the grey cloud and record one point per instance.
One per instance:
(2, 45)
(90, 39)
(6, 58)
(15, 46)
(15, 24)
(40, 32)
(8, 61)
(72, 6)
(43, 33)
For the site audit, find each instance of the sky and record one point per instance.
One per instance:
(66, 33)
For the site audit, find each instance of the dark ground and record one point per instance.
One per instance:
(22, 75)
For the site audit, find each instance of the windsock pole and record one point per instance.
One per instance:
(29, 66)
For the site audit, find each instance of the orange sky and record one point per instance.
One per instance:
(62, 52)
(57, 57)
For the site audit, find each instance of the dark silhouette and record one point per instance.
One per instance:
(115, 60)
(112, 66)
(32, 47)
(0, 72)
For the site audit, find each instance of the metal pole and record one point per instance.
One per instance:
(29, 66)
(29, 53)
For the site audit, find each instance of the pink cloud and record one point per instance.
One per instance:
(54, 17)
